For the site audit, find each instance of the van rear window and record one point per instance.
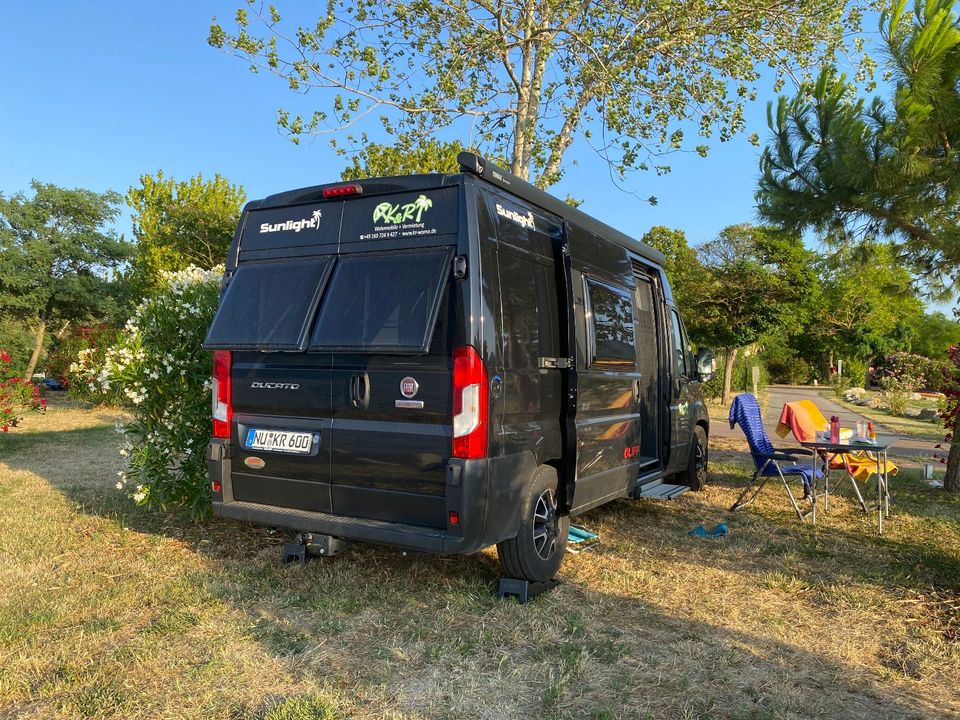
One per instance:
(269, 306)
(385, 302)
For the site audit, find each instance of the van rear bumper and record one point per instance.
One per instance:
(373, 531)
(466, 494)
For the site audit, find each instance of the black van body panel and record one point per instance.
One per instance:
(526, 320)
(551, 299)
(476, 165)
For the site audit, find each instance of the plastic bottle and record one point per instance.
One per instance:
(834, 429)
(871, 432)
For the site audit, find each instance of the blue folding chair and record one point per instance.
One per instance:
(745, 412)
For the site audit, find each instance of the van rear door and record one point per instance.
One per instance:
(280, 397)
(385, 319)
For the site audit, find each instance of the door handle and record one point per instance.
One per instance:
(360, 390)
(636, 389)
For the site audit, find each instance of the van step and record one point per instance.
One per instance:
(659, 490)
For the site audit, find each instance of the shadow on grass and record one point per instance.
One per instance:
(425, 634)
(403, 633)
(53, 441)
(918, 550)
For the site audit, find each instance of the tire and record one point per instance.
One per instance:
(537, 550)
(696, 474)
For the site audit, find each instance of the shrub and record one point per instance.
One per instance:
(840, 385)
(157, 366)
(934, 374)
(906, 367)
(17, 341)
(62, 361)
(896, 392)
(18, 397)
(789, 371)
(950, 415)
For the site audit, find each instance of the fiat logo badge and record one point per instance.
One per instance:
(409, 387)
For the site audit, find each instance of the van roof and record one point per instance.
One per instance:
(476, 166)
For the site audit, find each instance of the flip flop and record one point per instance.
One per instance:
(719, 530)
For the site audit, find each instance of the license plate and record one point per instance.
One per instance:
(298, 443)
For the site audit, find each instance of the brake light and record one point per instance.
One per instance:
(222, 406)
(342, 191)
(470, 404)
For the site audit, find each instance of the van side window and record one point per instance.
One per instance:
(679, 344)
(610, 320)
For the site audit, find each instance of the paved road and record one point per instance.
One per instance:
(778, 395)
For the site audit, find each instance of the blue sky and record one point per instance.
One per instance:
(96, 94)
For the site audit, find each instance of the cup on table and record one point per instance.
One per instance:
(861, 429)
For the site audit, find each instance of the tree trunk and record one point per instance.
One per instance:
(37, 349)
(728, 374)
(951, 481)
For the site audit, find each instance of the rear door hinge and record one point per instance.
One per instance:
(555, 363)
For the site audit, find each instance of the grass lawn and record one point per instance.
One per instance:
(110, 611)
(905, 426)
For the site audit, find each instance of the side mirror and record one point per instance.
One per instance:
(706, 364)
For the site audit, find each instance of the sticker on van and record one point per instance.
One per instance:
(295, 225)
(391, 214)
(520, 219)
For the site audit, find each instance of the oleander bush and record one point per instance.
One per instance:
(18, 397)
(158, 369)
(916, 371)
(80, 349)
(902, 374)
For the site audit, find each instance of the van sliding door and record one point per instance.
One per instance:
(647, 348)
(609, 449)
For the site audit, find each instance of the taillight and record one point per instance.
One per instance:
(470, 404)
(222, 407)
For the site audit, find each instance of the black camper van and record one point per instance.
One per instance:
(446, 362)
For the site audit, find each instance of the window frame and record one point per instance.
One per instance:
(679, 333)
(312, 305)
(620, 364)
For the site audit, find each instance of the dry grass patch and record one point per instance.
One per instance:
(110, 611)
